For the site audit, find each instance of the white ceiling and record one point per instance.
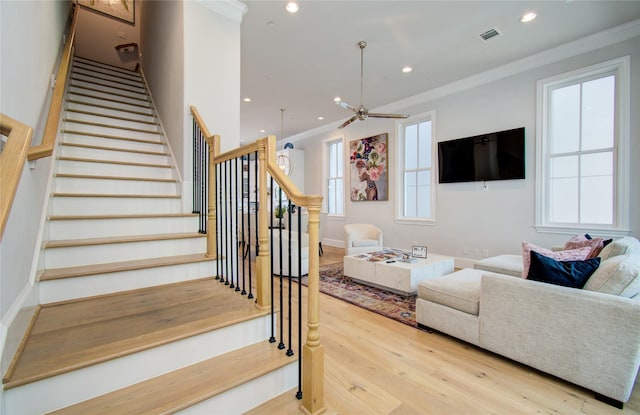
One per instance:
(301, 61)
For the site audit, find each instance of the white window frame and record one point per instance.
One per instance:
(325, 176)
(400, 163)
(620, 67)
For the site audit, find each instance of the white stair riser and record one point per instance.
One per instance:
(147, 134)
(109, 90)
(116, 123)
(100, 68)
(74, 88)
(114, 143)
(113, 206)
(109, 169)
(92, 99)
(118, 252)
(121, 187)
(101, 228)
(105, 75)
(109, 111)
(82, 384)
(248, 395)
(98, 154)
(71, 288)
(106, 81)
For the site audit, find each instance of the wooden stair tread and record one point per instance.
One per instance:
(87, 270)
(137, 216)
(72, 335)
(132, 88)
(116, 195)
(119, 101)
(115, 127)
(101, 65)
(108, 107)
(122, 163)
(66, 243)
(124, 150)
(112, 117)
(73, 84)
(92, 176)
(114, 137)
(185, 387)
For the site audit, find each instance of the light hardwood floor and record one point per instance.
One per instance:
(374, 365)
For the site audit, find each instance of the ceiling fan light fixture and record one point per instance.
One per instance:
(407, 69)
(528, 17)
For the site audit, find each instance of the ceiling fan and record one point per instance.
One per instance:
(361, 113)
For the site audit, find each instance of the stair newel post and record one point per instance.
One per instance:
(214, 149)
(313, 351)
(266, 148)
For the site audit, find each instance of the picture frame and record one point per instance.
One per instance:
(122, 10)
(369, 161)
(419, 251)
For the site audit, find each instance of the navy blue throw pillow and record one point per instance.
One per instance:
(572, 274)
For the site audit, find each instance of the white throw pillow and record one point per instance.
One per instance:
(617, 275)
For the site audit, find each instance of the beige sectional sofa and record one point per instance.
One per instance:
(589, 337)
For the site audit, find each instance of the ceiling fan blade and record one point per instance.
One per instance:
(382, 115)
(349, 121)
(347, 106)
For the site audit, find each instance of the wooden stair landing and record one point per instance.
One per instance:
(71, 335)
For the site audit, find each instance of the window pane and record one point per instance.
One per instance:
(596, 200)
(424, 145)
(411, 147)
(564, 167)
(564, 200)
(598, 110)
(331, 200)
(333, 169)
(339, 197)
(564, 119)
(410, 194)
(424, 194)
(339, 159)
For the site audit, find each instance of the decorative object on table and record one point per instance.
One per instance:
(122, 9)
(279, 212)
(419, 251)
(369, 168)
(361, 113)
(407, 259)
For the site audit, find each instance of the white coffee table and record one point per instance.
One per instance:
(399, 277)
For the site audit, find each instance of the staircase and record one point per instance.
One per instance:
(132, 319)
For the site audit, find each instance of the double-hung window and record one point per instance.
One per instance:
(416, 198)
(582, 149)
(335, 177)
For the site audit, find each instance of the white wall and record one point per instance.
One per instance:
(501, 217)
(31, 35)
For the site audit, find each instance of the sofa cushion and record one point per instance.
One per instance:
(365, 243)
(459, 290)
(502, 264)
(578, 254)
(580, 241)
(619, 275)
(622, 246)
(572, 274)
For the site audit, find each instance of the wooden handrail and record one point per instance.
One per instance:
(45, 149)
(12, 159)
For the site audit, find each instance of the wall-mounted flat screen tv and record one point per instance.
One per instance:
(494, 156)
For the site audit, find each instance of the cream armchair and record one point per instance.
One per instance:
(361, 237)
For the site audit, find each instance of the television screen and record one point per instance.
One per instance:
(494, 156)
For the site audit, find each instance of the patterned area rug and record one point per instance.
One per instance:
(386, 303)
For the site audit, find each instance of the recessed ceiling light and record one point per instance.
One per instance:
(292, 7)
(337, 99)
(321, 118)
(247, 99)
(407, 69)
(528, 17)
(262, 131)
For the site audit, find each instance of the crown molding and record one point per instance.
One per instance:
(233, 10)
(568, 50)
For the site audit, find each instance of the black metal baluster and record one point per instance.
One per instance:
(226, 224)
(244, 242)
(204, 178)
(299, 392)
(281, 344)
(272, 339)
(258, 207)
(218, 235)
(235, 231)
(196, 135)
(289, 221)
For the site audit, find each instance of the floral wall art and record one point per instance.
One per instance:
(369, 168)
(120, 9)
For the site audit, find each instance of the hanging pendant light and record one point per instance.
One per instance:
(282, 159)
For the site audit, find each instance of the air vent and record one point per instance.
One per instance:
(491, 33)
